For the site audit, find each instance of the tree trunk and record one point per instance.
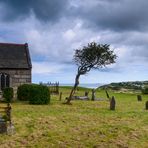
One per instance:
(73, 89)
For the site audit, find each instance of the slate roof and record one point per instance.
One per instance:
(14, 56)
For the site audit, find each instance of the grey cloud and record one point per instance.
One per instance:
(134, 43)
(121, 23)
(115, 15)
(42, 9)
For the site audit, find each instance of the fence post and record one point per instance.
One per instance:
(60, 98)
(58, 88)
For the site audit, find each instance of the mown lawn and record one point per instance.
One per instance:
(82, 124)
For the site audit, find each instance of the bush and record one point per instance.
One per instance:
(23, 92)
(8, 94)
(145, 90)
(35, 94)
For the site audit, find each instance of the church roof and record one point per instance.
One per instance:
(14, 56)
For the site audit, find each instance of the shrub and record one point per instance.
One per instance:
(8, 94)
(35, 94)
(23, 92)
(145, 90)
(146, 105)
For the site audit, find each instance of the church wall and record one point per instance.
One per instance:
(18, 77)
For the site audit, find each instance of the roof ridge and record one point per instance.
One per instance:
(28, 55)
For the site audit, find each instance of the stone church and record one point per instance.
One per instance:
(15, 65)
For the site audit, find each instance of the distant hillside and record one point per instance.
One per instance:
(135, 85)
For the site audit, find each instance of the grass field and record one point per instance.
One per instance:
(82, 124)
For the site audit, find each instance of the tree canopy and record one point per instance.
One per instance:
(93, 56)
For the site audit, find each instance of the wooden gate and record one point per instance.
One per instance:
(54, 87)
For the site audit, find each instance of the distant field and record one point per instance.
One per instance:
(82, 124)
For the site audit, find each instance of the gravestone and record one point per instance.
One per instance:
(86, 93)
(139, 97)
(93, 95)
(112, 103)
(146, 105)
(5, 120)
(80, 98)
(3, 125)
(10, 129)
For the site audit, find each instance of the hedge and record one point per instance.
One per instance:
(8, 94)
(145, 90)
(35, 94)
(23, 92)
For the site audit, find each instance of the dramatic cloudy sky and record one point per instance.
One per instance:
(54, 28)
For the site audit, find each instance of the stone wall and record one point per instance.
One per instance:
(18, 77)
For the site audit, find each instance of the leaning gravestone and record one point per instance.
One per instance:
(112, 103)
(146, 105)
(139, 97)
(107, 94)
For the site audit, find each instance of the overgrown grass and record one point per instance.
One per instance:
(83, 124)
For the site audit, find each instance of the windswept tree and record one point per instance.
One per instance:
(93, 56)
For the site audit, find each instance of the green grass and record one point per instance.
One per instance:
(82, 124)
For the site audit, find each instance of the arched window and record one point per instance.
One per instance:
(7, 81)
(4, 81)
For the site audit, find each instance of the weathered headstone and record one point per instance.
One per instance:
(139, 97)
(112, 103)
(3, 127)
(10, 129)
(5, 120)
(93, 95)
(86, 93)
(146, 105)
